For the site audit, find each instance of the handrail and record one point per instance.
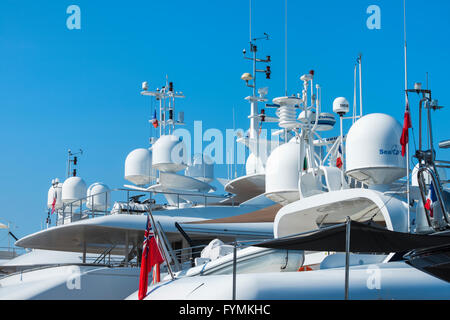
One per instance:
(86, 208)
(437, 189)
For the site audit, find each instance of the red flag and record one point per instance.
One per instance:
(155, 120)
(150, 256)
(54, 201)
(406, 125)
(431, 199)
(339, 158)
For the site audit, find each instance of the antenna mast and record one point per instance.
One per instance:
(406, 103)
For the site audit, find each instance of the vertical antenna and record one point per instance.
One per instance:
(354, 94)
(360, 86)
(406, 103)
(250, 20)
(285, 50)
(234, 149)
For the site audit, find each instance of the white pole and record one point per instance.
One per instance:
(354, 95)
(360, 86)
(285, 51)
(406, 100)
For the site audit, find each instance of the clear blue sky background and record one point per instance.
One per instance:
(63, 88)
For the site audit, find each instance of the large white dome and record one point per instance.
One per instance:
(138, 167)
(98, 197)
(373, 151)
(282, 172)
(168, 154)
(74, 188)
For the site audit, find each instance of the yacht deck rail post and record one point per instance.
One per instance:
(347, 255)
(84, 251)
(126, 252)
(128, 202)
(169, 268)
(234, 270)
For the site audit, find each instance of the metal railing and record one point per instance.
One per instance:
(127, 201)
(438, 191)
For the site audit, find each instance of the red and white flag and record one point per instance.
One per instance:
(406, 125)
(431, 199)
(55, 194)
(155, 120)
(339, 162)
(151, 256)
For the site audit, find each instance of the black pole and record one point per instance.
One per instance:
(347, 255)
(234, 271)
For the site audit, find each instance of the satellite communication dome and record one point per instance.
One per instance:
(373, 151)
(138, 167)
(98, 197)
(325, 122)
(202, 168)
(74, 188)
(55, 191)
(340, 106)
(168, 154)
(254, 165)
(282, 171)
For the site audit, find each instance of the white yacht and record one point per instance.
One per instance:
(93, 250)
(366, 188)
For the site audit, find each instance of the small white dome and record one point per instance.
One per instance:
(138, 167)
(373, 150)
(325, 122)
(74, 188)
(254, 165)
(98, 197)
(340, 106)
(55, 191)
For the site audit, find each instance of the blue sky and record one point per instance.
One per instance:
(62, 89)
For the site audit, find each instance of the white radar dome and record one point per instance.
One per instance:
(202, 168)
(282, 172)
(340, 106)
(74, 188)
(168, 154)
(98, 197)
(138, 167)
(373, 151)
(55, 194)
(325, 122)
(254, 165)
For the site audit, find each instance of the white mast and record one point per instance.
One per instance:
(406, 101)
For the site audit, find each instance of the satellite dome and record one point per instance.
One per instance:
(254, 165)
(282, 172)
(98, 197)
(325, 122)
(74, 188)
(168, 154)
(138, 167)
(340, 106)
(55, 192)
(373, 150)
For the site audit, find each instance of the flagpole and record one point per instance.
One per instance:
(406, 101)
(160, 245)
